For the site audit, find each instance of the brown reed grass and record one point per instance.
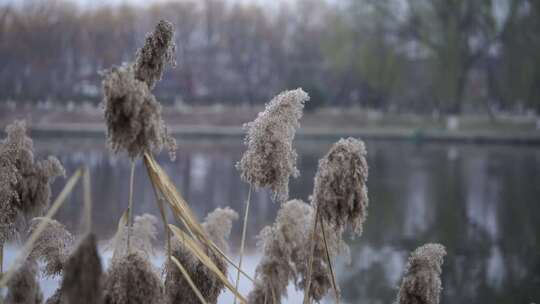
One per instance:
(422, 281)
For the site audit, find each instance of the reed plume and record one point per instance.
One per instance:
(131, 279)
(422, 281)
(270, 159)
(23, 287)
(133, 115)
(340, 191)
(340, 198)
(218, 226)
(52, 247)
(143, 234)
(158, 50)
(24, 182)
(284, 255)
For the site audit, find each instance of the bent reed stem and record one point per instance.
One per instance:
(329, 260)
(311, 253)
(161, 207)
(130, 205)
(87, 196)
(242, 242)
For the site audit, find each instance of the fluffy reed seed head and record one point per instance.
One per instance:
(158, 51)
(53, 245)
(218, 225)
(131, 279)
(286, 253)
(143, 235)
(422, 281)
(82, 275)
(133, 115)
(24, 183)
(340, 190)
(281, 244)
(23, 287)
(270, 159)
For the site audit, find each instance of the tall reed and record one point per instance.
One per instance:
(132, 113)
(25, 189)
(270, 159)
(340, 194)
(284, 255)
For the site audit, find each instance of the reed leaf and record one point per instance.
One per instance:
(122, 222)
(188, 278)
(161, 181)
(23, 254)
(87, 197)
(192, 245)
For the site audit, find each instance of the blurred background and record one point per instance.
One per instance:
(446, 94)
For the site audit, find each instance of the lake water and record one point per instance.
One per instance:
(481, 202)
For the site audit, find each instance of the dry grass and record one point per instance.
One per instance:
(27, 247)
(196, 268)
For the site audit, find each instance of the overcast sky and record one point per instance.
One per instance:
(92, 3)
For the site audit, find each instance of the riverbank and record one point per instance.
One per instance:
(218, 121)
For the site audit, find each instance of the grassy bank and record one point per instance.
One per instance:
(219, 121)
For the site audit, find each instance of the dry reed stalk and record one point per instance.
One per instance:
(242, 242)
(192, 245)
(87, 197)
(188, 278)
(27, 247)
(311, 255)
(329, 261)
(181, 210)
(218, 225)
(162, 213)
(130, 204)
(122, 224)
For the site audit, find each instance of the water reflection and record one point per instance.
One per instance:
(481, 202)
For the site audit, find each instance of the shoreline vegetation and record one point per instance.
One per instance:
(327, 123)
(473, 130)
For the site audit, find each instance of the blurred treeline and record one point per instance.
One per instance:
(447, 56)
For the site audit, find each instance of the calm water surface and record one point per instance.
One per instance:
(481, 202)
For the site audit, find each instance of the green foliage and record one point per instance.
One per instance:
(520, 77)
